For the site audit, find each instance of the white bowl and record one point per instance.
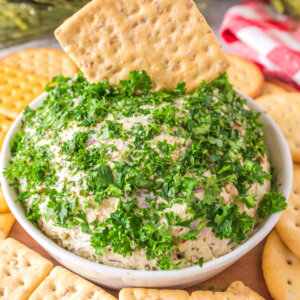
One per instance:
(117, 278)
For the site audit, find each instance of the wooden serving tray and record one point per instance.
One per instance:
(247, 269)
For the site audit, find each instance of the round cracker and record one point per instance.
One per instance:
(280, 83)
(288, 226)
(245, 76)
(281, 269)
(45, 62)
(271, 88)
(285, 110)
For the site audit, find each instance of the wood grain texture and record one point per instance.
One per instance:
(247, 269)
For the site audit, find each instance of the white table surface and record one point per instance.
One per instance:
(213, 13)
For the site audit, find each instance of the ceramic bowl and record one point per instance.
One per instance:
(117, 278)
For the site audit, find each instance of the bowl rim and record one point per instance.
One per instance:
(51, 247)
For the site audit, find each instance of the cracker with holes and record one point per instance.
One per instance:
(63, 284)
(17, 89)
(152, 294)
(288, 225)
(285, 110)
(169, 39)
(21, 270)
(281, 269)
(238, 288)
(209, 295)
(245, 76)
(44, 62)
(4, 126)
(7, 221)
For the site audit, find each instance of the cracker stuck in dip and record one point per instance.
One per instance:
(145, 180)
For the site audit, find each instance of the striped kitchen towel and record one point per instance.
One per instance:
(257, 32)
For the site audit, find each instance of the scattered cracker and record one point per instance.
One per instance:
(169, 39)
(281, 269)
(21, 270)
(239, 289)
(245, 76)
(288, 225)
(7, 221)
(208, 295)
(63, 284)
(282, 84)
(44, 62)
(152, 294)
(285, 110)
(4, 126)
(271, 88)
(3, 205)
(17, 89)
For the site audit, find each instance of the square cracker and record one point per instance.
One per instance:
(63, 284)
(169, 39)
(152, 294)
(17, 89)
(239, 289)
(21, 270)
(208, 295)
(7, 221)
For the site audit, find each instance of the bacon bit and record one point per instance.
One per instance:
(48, 132)
(239, 128)
(114, 260)
(226, 197)
(42, 190)
(182, 241)
(93, 140)
(264, 159)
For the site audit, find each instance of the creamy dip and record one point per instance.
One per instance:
(143, 180)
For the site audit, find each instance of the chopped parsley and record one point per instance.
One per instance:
(270, 204)
(89, 145)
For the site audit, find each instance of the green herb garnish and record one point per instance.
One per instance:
(89, 144)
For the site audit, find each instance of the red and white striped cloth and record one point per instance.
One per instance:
(257, 32)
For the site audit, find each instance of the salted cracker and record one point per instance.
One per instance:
(17, 89)
(245, 75)
(3, 205)
(63, 284)
(288, 225)
(281, 269)
(238, 288)
(152, 294)
(4, 126)
(44, 62)
(285, 110)
(210, 295)
(7, 221)
(21, 270)
(169, 39)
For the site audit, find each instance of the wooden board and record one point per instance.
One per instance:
(247, 269)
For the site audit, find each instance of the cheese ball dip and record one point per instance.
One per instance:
(143, 180)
